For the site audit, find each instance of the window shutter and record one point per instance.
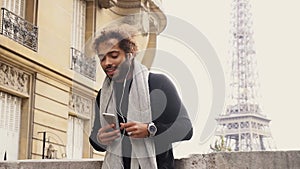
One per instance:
(2, 128)
(15, 6)
(2, 4)
(79, 21)
(10, 125)
(2, 114)
(78, 139)
(82, 25)
(5, 4)
(75, 138)
(70, 138)
(75, 4)
(21, 9)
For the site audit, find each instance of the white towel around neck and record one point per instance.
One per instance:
(139, 109)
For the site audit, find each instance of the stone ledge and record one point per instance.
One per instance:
(233, 160)
(242, 160)
(52, 164)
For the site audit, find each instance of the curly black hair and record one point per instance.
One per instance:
(123, 33)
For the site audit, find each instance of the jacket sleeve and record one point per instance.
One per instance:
(169, 114)
(93, 136)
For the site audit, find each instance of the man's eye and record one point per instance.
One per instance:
(114, 54)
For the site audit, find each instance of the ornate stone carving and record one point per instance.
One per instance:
(80, 104)
(14, 78)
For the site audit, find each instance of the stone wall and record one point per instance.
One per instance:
(52, 164)
(234, 160)
(242, 160)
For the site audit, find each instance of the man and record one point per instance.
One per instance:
(150, 114)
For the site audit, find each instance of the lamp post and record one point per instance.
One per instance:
(44, 143)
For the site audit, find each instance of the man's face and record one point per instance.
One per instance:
(112, 59)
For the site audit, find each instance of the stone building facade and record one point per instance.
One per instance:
(48, 78)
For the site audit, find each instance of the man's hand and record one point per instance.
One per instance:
(136, 129)
(106, 135)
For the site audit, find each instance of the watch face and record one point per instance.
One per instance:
(152, 129)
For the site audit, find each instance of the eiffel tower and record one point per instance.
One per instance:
(243, 126)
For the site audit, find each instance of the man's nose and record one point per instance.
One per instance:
(108, 61)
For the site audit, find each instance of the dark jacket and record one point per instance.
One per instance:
(168, 114)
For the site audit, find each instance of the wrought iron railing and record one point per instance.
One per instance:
(18, 29)
(83, 64)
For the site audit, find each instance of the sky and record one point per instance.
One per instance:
(276, 28)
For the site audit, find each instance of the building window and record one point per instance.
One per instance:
(75, 138)
(78, 29)
(81, 63)
(25, 9)
(15, 6)
(10, 112)
(16, 23)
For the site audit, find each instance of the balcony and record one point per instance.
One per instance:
(18, 29)
(82, 64)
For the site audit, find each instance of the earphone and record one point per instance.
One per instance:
(129, 56)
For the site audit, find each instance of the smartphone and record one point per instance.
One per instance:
(110, 118)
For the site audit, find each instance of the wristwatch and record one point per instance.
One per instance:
(152, 129)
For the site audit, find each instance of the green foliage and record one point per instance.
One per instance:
(220, 146)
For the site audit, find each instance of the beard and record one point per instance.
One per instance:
(122, 71)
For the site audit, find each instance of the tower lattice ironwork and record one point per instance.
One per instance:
(243, 125)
